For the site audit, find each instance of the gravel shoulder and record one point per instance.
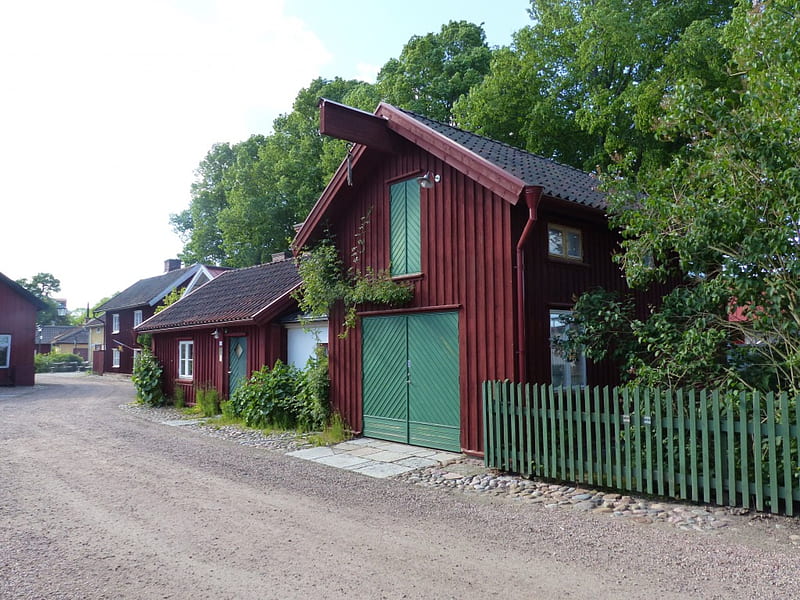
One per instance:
(96, 502)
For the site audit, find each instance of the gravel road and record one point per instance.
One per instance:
(98, 503)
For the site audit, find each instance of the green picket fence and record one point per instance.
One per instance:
(737, 449)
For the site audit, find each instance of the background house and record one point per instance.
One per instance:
(219, 334)
(73, 341)
(497, 242)
(45, 334)
(96, 342)
(17, 332)
(135, 304)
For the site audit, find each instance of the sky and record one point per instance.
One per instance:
(108, 107)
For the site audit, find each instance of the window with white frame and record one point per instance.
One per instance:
(115, 323)
(564, 242)
(563, 372)
(185, 359)
(137, 317)
(136, 354)
(5, 351)
(115, 354)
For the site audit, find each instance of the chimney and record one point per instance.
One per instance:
(281, 256)
(172, 264)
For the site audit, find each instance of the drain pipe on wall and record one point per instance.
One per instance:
(533, 194)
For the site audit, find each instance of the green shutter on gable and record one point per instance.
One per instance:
(404, 217)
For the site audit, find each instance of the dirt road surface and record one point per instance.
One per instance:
(97, 503)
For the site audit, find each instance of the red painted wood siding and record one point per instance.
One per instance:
(466, 262)
(265, 344)
(127, 336)
(18, 318)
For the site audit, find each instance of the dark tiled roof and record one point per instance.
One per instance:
(144, 291)
(49, 332)
(236, 295)
(75, 335)
(556, 180)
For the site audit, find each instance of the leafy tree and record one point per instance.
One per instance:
(435, 70)
(725, 212)
(585, 80)
(43, 286)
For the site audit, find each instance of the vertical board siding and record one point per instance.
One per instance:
(18, 318)
(265, 345)
(739, 449)
(466, 262)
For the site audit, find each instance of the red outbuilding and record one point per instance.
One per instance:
(18, 308)
(497, 243)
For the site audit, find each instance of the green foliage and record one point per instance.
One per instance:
(169, 300)
(334, 432)
(585, 80)
(435, 70)
(207, 401)
(179, 397)
(45, 362)
(284, 397)
(146, 379)
(43, 286)
(724, 212)
(325, 283)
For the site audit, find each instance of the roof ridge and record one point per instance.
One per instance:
(494, 141)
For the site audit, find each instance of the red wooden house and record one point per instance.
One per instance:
(138, 302)
(18, 308)
(217, 335)
(497, 242)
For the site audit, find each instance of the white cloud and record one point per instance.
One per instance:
(367, 72)
(108, 108)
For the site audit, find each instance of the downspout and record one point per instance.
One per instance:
(533, 195)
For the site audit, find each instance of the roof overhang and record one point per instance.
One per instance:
(384, 131)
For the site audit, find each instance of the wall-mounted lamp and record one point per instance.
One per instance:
(216, 334)
(427, 180)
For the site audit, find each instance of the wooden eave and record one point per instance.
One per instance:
(382, 129)
(494, 178)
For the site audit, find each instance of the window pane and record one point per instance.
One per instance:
(556, 241)
(562, 372)
(574, 244)
(5, 351)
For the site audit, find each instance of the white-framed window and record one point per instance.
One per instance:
(5, 350)
(563, 372)
(115, 323)
(137, 317)
(136, 354)
(186, 359)
(564, 242)
(115, 354)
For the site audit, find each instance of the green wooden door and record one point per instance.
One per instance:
(237, 362)
(384, 355)
(433, 395)
(410, 379)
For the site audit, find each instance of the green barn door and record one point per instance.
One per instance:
(410, 379)
(237, 362)
(433, 396)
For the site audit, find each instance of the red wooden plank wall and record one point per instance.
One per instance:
(265, 344)
(18, 318)
(466, 262)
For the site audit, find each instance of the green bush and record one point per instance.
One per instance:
(44, 362)
(147, 379)
(179, 397)
(269, 397)
(312, 393)
(207, 400)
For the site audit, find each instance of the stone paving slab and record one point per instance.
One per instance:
(382, 470)
(312, 453)
(343, 461)
(183, 422)
(387, 456)
(417, 462)
(363, 451)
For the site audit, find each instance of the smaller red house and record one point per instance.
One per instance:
(18, 308)
(217, 335)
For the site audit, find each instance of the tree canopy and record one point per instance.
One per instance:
(724, 212)
(585, 80)
(43, 286)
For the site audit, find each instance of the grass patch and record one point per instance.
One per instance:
(335, 431)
